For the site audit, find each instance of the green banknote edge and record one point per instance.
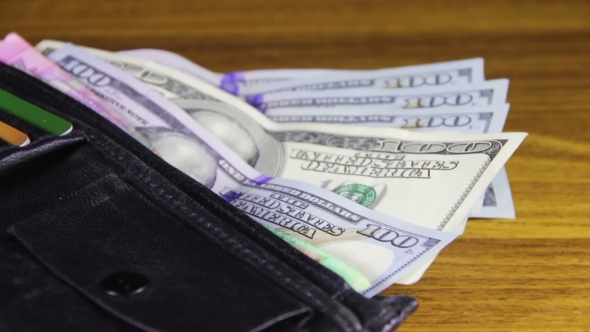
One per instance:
(354, 278)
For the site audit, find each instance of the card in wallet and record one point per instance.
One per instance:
(33, 114)
(13, 136)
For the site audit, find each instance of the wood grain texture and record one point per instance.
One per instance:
(528, 274)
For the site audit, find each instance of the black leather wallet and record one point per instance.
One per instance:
(103, 235)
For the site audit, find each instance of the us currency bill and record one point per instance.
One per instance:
(468, 95)
(467, 120)
(383, 248)
(497, 201)
(251, 78)
(177, 86)
(278, 80)
(341, 175)
(410, 77)
(155, 75)
(295, 151)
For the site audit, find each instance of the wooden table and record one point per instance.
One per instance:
(528, 274)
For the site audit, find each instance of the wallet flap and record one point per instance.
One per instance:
(34, 300)
(129, 256)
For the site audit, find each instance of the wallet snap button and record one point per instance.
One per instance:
(124, 283)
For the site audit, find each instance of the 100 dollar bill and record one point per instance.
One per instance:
(381, 247)
(479, 94)
(410, 77)
(497, 200)
(156, 76)
(272, 80)
(382, 168)
(431, 180)
(467, 120)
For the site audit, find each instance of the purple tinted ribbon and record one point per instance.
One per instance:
(230, 81)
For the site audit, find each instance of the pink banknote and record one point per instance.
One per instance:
(18, 53)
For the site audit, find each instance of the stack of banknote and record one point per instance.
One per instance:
(370, 172)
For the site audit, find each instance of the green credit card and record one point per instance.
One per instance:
(34, 115)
